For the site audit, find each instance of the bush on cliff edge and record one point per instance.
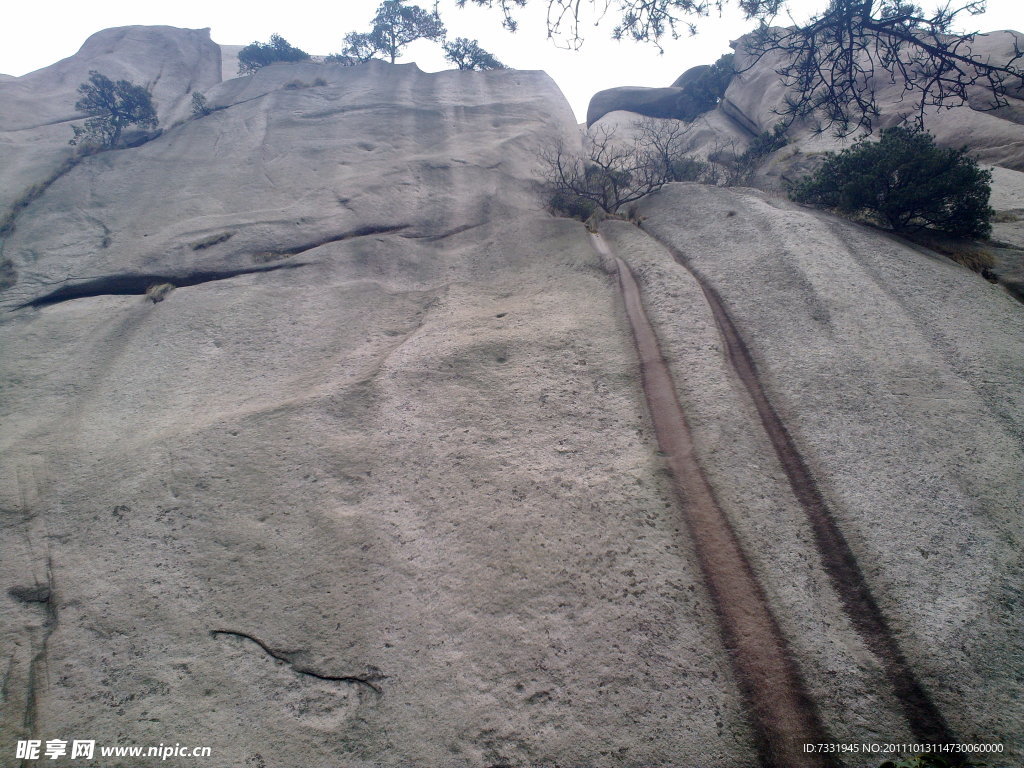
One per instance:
(904, 182)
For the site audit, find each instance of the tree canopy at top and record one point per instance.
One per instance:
(395, 25)
(828, 62)
(257, 55)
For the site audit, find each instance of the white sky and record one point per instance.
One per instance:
(36, 34)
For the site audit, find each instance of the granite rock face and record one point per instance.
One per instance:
(325, 444)
(37, 109)
(756, 94)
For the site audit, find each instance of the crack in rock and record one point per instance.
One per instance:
(138, 285)
(288, 658)
(365, 231)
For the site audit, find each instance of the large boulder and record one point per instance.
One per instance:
(692, 75)
(325, 444)
(37, 109)
(675, 103)
(695, 92)
(756, 95)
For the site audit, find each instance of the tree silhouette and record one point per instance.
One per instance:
(829, 63)
(467, 54)
(395, 25)
(113, 106)
(257, 55)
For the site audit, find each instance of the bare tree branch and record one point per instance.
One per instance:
(834, 62)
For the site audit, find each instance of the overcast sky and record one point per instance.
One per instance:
(36, 34)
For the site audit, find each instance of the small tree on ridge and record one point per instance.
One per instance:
(394, 26)
(257, 55)
(112, 107)
(467, 54)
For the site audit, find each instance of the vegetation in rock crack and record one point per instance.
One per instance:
(733, 168)
(199, 106)
(904, 182)
(612, 172)
(707, 88)
(257, 55)
(467, 54)
(296, 85)
(829, 62)
(394, 26)
(158, 291)
(212, 240)
(8, 274)
(112, 106)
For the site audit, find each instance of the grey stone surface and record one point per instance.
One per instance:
(374, 483)
(676, 103)
(37, 109)
(690, 75)
(756, 94)
(420, 459)
(894, 372)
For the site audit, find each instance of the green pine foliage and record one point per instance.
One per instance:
(467, 54)
(904, 182)
(257, 55)
(112, 107)
(708, 89)
(200, 107)
(395, 25)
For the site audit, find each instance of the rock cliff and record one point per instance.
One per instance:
(382, 480)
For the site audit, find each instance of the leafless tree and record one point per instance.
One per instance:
(613, 172)
(834, 65)
(610, 173)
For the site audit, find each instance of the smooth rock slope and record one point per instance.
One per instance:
(375, 483)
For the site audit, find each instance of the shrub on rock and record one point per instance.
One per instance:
(112, 107)
(257, 55)
(467, 54)
(905, 182)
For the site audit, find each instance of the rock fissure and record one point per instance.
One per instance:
(430, 238)
(838, 559)
(139, 284)
(783, 713)
(287, 658)
(366, 231)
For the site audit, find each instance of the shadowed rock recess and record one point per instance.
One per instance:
(325, 445)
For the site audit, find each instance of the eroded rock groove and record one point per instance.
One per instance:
(784, 716)
(838, 559)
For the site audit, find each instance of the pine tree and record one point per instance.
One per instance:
(905, 182)
(394, 26)
(257, 55)
(467, 54)
(113, 106)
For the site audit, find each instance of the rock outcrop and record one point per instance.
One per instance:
(756, 96)
(37, 109)
(690, 96)
(672, 103)
(325, 444)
